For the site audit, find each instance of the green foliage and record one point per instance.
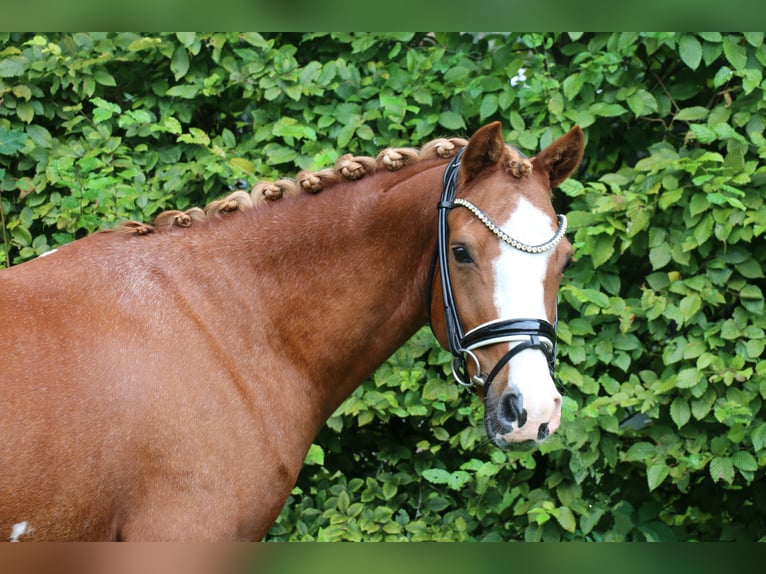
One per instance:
(662, 327)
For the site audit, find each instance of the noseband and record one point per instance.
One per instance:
(523, 334)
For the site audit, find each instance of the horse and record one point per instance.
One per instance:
(165, 381)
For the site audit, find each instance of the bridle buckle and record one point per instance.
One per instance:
(460, 370)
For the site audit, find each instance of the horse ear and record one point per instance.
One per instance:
(561, 158)
(485, 148)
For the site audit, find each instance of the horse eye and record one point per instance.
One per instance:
(461, 254)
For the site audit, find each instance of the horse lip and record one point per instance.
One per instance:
(504, 440)
(524, 445)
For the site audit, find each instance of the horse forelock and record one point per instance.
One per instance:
(516, 164)
(347, 168)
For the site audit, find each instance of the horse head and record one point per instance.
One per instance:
(501, 253)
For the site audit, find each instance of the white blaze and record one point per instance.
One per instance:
(519, 278)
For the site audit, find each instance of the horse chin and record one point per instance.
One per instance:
(513, 439)
(504, 442)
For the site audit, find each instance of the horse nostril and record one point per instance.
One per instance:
(543, 431)
(512, 409)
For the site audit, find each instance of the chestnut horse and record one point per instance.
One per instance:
(164, 382)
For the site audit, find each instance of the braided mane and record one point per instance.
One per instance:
(347, 167)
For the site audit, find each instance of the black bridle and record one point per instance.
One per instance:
(524, 333)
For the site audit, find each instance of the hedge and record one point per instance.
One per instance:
(662, 322)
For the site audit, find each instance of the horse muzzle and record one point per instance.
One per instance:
(524, 407)
(510, 426)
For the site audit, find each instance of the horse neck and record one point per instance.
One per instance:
(340, 279)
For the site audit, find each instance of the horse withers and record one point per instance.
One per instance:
(165, 381)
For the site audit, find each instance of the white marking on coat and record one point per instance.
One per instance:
(18, 531)
(519, 278)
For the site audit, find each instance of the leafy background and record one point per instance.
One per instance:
(661, 320)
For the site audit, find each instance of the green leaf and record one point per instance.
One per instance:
(603, 249)
(25, 112)
(40, 136)
(457, 74)
(254, 39)
(730, 330)
(566, 519)
(144, 44)
(704, 230)
(179, 64)
(437, 389)
(186, 38)
(452, 121)
(104, 78)
(290, 128)
(723, 75)
(606, 110)
(488, 106)
(750, 269)
(22, 92)
(735, 52)
(679, 411)
(588, 296)
(701, 407)
(743, 460)
(755, 39)
(102, 104)
(437, 503)
(690, 305)
(195, 136)
(589, 520)
(656, 473)
(343, 501)
(710, 36)
(722, 469)
(13, 66)
(693, 113)
(751, 292)
(687, 378)
(243, 164)
(759, 437)
(436, 475)
(315, 455)
(11, 140)
(751, 79)
(185, 91)
(660, 256)
(394, 105)
(642, 102)
(389, 490)
(754, 348)
(572, 85)
(458, 479)
(640, 451)
(171, 125)
(690, 51)
(703, 133)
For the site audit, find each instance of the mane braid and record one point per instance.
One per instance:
(346, 168)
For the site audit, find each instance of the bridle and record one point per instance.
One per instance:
(523, 333)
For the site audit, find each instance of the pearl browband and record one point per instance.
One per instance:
(484, 218)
